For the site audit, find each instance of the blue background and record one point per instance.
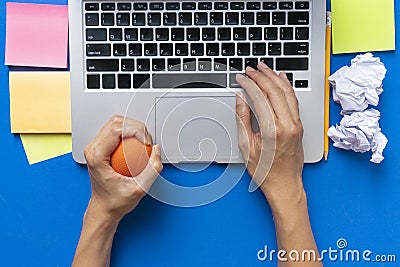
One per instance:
(42, 205)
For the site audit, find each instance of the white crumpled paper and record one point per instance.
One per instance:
(355, 88)
(359, 85)
(360, 132)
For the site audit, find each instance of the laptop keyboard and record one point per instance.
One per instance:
(132, 45)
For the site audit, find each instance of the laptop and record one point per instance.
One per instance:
(172, 65)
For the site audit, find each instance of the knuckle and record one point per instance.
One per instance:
(117, 120)
(158, 166)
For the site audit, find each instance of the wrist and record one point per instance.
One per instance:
(96, 215)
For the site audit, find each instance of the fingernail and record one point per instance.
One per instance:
(250, 69)
(240, 77)
(284, 74)
(263, 65)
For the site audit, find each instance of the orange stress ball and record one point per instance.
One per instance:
(131, 157)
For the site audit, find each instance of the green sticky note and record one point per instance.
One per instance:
(41, 147)
(362, 25)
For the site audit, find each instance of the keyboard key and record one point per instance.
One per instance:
(286, 33)
(138, 19)
(102, 65)
(243, 49)
(124, 6)
(123, 19)
(96, 35)
(124, 81)
(173, 6)
(232, 81)
(108, 81)
(253, 5)
(107, 6)
(200, 18)
(92, 19)
(298, 18)
(158, 64)
(212, 49)
(192, 34)
(135, 50)
(237, 6)
(295, 49)
(185, 18)
(239, 33)
(127, 65)
(153, 19)
(270, 33)
(205, 6)
(146, 34)
(301, 83)
(278, 18)
(228, 49)
(141, 81)
(232, 18)
(302, 5)
(289, 77)
(235, 64)
(98, 50)
(93, 81)
(119, 50)
(274, 49)
(188, 5)
(251, 62)
(174, 64)
(150, 50)
(143, 64)
(224, 34)
(181, 49)
(286, 5)
(220, 64)
(197, 49)
(208, 34)
(263, 18)
(255, 34)
(140, 6)
(189, 64)
(162, 34)
(177, 34)
(204, 64)
(166, 49)
(268, 61)
(91, 6)
(270, 5)
(259, 49)
(247, 18)
(291, 64)
(302, 33)
(216, 18)
(131, 34)
(115, 34)
(156, 6)
(169, 19)
(185, 80)
(220, 5)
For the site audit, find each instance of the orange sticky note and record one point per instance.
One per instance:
(40, 102)
(37, 35)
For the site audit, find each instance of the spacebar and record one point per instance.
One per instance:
(190, 80)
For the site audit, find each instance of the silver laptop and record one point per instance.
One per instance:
(172, 65)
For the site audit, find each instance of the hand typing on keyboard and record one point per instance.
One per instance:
(275, 101)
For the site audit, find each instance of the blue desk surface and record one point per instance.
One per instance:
(42, 205)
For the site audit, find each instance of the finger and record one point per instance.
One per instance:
(153, 168)
(274, 92)
(134, 128)
(260, 101)
(245, 131)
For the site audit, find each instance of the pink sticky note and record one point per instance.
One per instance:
(37, 35)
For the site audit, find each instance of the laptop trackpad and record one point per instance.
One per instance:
(197, 129)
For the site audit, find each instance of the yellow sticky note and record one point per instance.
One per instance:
(40, 102)
(362, 25)
(41, 147)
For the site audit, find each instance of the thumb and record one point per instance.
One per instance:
(153, 168)
(245, 131)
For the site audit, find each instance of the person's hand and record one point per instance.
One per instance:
(275, 155)
(114, 195)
